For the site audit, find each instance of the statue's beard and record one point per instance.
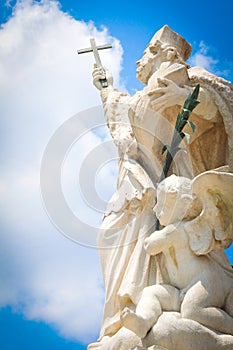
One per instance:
(144, 73)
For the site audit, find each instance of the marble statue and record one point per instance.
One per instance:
(193, 252)
(140, 126)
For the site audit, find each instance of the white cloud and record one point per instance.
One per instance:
(8, 3)
(205, 57)
(202, 59)
(43, 82)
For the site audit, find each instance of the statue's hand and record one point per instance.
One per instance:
(150, 244)
(160, 240)
(166, 94)
(101, 73)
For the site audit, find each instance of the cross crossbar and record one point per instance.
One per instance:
(90, 49)
(95, 50)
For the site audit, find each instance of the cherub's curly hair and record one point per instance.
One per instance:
(176, 184)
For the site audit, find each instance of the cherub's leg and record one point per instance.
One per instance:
(185, 334)
(229, 304)
(153, 301)
(202, 303)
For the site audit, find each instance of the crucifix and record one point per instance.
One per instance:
(95, 49)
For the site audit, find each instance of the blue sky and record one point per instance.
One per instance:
(51, 288)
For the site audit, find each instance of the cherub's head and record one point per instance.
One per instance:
(174, 196)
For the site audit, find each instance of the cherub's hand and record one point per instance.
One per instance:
(101, 73)
(166, 94)
(150, 244)
(160, 240)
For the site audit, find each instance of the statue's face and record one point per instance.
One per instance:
(153, 56)
(171, 207)
(148, 64)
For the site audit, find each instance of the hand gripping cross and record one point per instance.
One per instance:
(95, 49)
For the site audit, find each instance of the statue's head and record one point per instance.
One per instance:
(166, 45)
(174, 196)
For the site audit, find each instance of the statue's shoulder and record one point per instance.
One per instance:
(202, 76)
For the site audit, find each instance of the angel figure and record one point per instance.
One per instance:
(198, 225)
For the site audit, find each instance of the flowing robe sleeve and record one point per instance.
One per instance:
(129, 218)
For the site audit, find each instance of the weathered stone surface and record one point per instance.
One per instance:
(189, 269)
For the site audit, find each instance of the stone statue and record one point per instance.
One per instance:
(140, 126)
(193, 252)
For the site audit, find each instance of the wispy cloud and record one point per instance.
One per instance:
(8, 3)
(205, 57)
(43, 83)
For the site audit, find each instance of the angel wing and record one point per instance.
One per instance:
(213, 227)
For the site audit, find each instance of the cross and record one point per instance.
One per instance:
(95, 49)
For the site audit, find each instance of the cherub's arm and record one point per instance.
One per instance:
(160, 240)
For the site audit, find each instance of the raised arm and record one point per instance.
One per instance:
(102, 73)
(116, 109)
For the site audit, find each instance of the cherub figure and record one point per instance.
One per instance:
(197, 215)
